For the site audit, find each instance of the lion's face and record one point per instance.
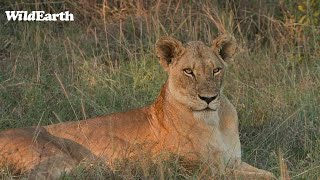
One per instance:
(196, 78)
(196, 70)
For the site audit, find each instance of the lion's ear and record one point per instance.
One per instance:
(225, 46)
(167, 49)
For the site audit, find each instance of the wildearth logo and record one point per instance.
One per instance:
(38, 16)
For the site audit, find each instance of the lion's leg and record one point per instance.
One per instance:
(52, 167)
(246, 171)
(27, 152)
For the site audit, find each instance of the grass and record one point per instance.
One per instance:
(56, 72)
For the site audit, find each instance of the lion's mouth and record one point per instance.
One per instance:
(207, 109)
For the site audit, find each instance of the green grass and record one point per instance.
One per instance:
(57, 72)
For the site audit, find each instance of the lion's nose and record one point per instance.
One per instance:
(208, 99)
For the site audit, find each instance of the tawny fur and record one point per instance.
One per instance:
(178, 122)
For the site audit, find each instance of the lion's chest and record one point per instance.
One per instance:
(218, 144)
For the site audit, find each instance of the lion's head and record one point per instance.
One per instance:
(195, 70)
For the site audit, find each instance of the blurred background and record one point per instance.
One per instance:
(105, 62)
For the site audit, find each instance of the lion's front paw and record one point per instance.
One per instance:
(246, 171)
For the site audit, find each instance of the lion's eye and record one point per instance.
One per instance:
(216, 71)
(188, 72)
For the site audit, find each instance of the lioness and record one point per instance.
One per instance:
(191, 118)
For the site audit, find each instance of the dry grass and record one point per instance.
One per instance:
(105, 62)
